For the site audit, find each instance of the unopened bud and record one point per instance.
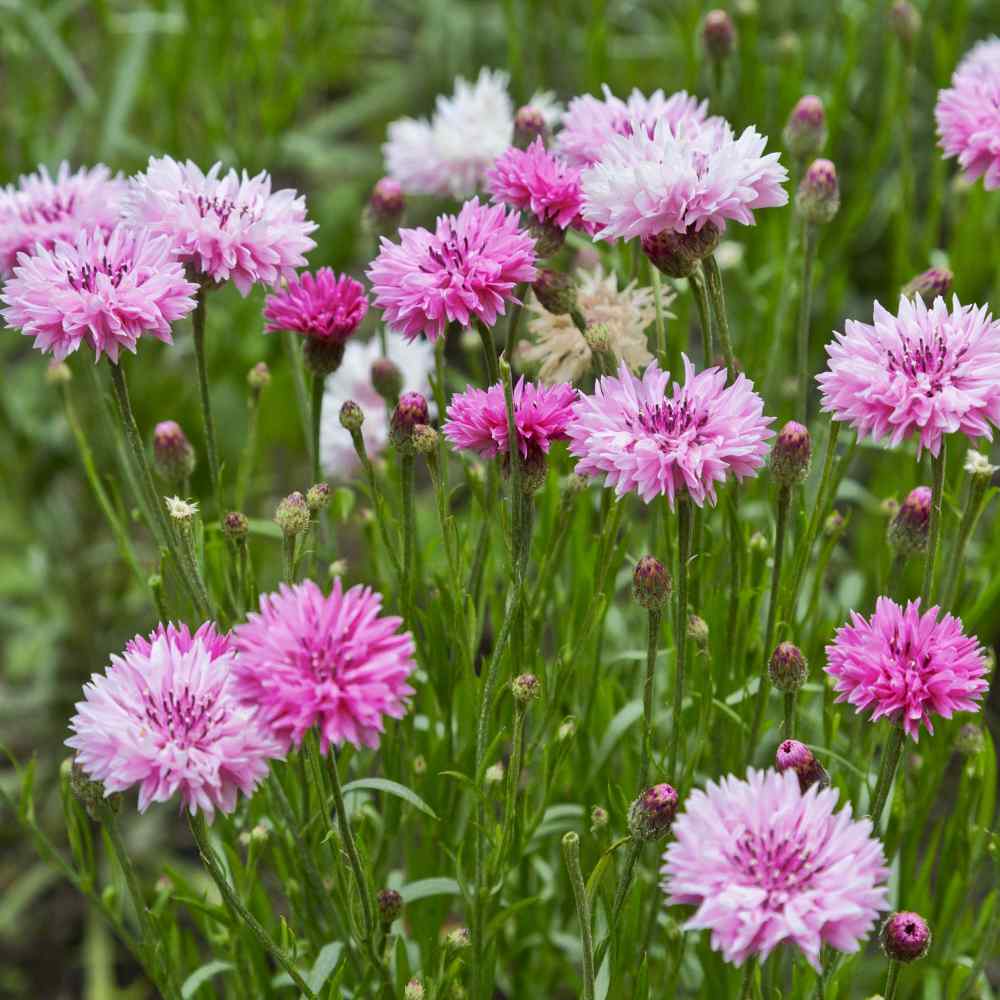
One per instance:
(930, 284)
(787, 667)
(651, 583)
(259, 377)
(904, 20)
(58, 373)
(905, 936)
(292, 515)
(797, 756)
(758, 543)
(91, 793)
(790, 454)
(818, 197)
(549, 238)
(834, 523)
(322, 355)
(351, 417)
(718, 35)
(173, 456)
(555, 291)
(235, 525)
(970, 741)
(387, 379)
(677, 254)
(386, 205)
(652, 813)
(889, 506)
(567, 729)
(805, 130)
(317, 497)
(494, 773)
(529, 124)
(697, 631)
(410, 412)
(598, 338)
(419, 765)
(414, 990)
(909, 528)
(526, 688)
(390, 905)
(425, 440)
(534, 471)
(598, 819)
(458, 939)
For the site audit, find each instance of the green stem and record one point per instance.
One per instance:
(316, 412)
(653, 636)
(892, 979)
(377, 500)
(713, 277)
(746, 989)
(211, 452)
(406, 469)
(571, 854)
(249, 455)
(191, 563)
(288, 557)
(293, 350)
(894, 576)
(697, 283)
(938, 464)
(621, 893)
(661, 331)
(680, 626)
(890, 760)
(805, 309)
(967, 525)
(490, 351)
(788, 730)
(514, 325)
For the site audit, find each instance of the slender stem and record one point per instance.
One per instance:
(288, 557)
(185, 530)
(621, 893)
(249, 455)
(713, 277)
(697, 282)
(970, 517)
(746, 989)
(293, 350)
(938, 464)
(647, 696)
(236, 906)
(661, 331)
(377, 500)
(490, 351)
(211, 452)
(892, 979)
(894, 576)
(789, 726)
(514, 324)
(316, 412)
(513, 783)
(890, 760)
(406, 469)
(680, 625)
(571, 855)
(805, 308)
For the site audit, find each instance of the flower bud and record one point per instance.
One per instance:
(548, 237)
(419, 764)
(322, 355)
(834, 523)
(567, 729)
(494, 773)
(386, 205)
(91, 793)
(970, 741)
(173, 456)
(259, 377)
(598, 338)
(526, 688)
(718, 35)
(292, 515)
(787, 667)
(978, 466)
(534, 471)
(905, 936)
(790, 454)
(598, 819)
(758, 543)
(410, 412)
(235, 525)
(797, 756)
(677, 254)
(458, 939)
(317, 497)
(414, 990)
(387, 379)
(651, 583)
(818, 197)
(555, 291)
(652, 813)
(529, 124)
(58, 373)
(697, 631)
(425, 440)
(904, 20)
(889, 506)
(390, 905)
(909, 528)
(351, 417)
(805, 130)
(934, 282)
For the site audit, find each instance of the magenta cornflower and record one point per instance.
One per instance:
(533, 180)
(647, 442)
(46, 210)
(164, 716)
(907, 666)
(321, 305)
(968, 114)
(465, 270)
(925, 372)
(330, 661)
(477, 418)
(767, 863)
(106, 291)
(225, 227)
(680, 179)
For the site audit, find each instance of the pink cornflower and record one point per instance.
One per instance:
(327, 661)
(465, 270)
(164, 717)
(677, 179)
(46, 210)
(477, 418)
(590, 123)
(106, 291)
(924, 371)
(906, 666)
(968, 114)
(645, 441)
(224, 227)
(766, 863)
(533, 180)
(321, 305)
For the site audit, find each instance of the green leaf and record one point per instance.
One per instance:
(341, 503)
(427, 887)
(202, 975)
(390, 788)
(626, 717)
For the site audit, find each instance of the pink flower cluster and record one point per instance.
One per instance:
(321, 305)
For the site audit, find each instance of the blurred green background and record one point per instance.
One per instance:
(305, 90)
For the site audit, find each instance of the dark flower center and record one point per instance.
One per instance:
(780, 866)
(183, 718)
(85, 278)
(926, 360)
(223, 209)
(52, 211)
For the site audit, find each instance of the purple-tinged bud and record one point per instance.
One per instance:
(889, 506)
(390, 905)
(387, 379)
(598, 819)
(317, 497)
(529, 124)
(351, 416)
(322, 355)
(934, 282)
(805, 130)
(787, 667)
(909, 528)
(677, 254)
(410, 412)
(718, 35)
(292, 515)
(548, 237)
(526, 689)
(834, 523)
(414, 990)
(651, 815)
(651, 583)
(818, 197)
(697, 631)
(905, 936)
(259, 378)
(458, 939)
(386, 205)
(555, 291)
(173, 456)
(970, 741)
(791, 454)
(905, 21)
(797, 756)
(235, 526)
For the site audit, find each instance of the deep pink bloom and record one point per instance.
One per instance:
(907, 666)
(766, 863)
(328, 661)
(164, 717)
(643, 440)
(106, 291)
(225, 227)
(533, 180)
(465, 270)
(477, 418)
(320, 305)
(44, 210)
(968, 114)
(925, 371)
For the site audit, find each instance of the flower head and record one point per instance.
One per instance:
(968, 114)
(477, 418)
(230, 226)
(645, 441)
(907, 666)
(330, 661)
(765, 863)
(46, 210)
(926, 372)
(164, 716)
(676, 179)
(106, 290)
(465, 270)
(324, 305)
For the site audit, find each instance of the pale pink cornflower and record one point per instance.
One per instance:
(644, 441)
(225, 227)
(105, 290)
(907, 666)
(676, 179)
(330, 661)
(925, 372)
(766, 863)
(46, 210)
(590, 122)
(324, 305)
(163, 716)
(465, 270)
(477, 418)
(968, 114)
